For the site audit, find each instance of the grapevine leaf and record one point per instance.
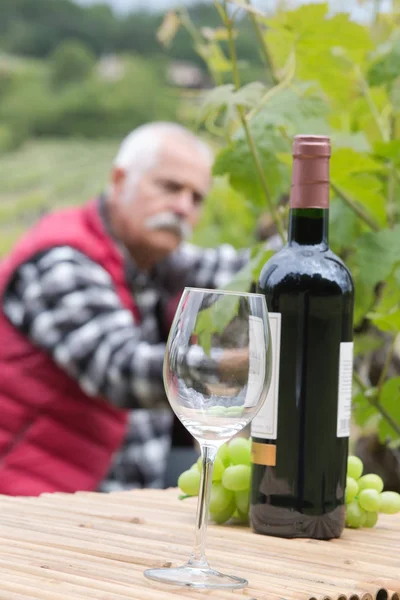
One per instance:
(386, 68)
(364, 343)
(377, 253)
(295, 112)
(344, 226)
(363, 299)
(236, 161)
(335, 43)
(223, 311)
(386, 315)
(362, 410)
(346, 161)
(355, 141)
(390, 401)
(389, 150)
(203, 329)
(357, 175)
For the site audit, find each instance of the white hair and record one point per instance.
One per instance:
(139, 151)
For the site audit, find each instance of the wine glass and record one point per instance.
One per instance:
(217, 370)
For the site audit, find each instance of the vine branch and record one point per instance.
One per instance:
(246, 128)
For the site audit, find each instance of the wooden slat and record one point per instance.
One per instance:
(96, 546)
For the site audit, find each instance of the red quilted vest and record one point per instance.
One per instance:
(53, 437)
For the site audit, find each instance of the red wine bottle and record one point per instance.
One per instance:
(300, 436)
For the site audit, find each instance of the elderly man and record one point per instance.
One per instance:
(81, 323)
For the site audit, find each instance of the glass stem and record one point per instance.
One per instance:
(198, 558)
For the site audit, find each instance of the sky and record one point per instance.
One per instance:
(359, 9)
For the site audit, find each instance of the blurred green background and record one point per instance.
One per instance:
(73, 81)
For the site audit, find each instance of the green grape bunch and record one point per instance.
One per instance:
(230, 493)
(365, 497)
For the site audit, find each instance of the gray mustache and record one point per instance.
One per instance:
(170, 222)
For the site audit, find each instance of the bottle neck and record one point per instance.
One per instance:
(309, 198)
(309, 226)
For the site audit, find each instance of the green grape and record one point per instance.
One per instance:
(218, 468)
(194, 467)
(351, 489)
(189, 482)
(242, 517)
(216, 411)
(355, 515)
(220, 498)
(223, 454)
(389, 503)
(354, 467)
(234, 411)
(371, 520)
(237, 478)
(239, 451)
(225, 514)
(242, 500)
(370, 482)
(368, 499)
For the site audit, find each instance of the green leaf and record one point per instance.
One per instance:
(365, 343)
(291, 110)
(325, 48)
(355, 141)
(363, 299)
(357, 175)
(204, 329)
(215, 58)
(237, 163)
(389, 150)
(386, 315)
(296, 111)
(395, 95)
(361, 116)
(217, 227)
(362, 410)
(225, 98)
(223, 311)
(344, 226)
(249, 95)
(346, 161)
(216, 99)
(390, 401)
(377, 253)
(385, 69)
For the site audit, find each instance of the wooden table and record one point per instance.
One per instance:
(96, 546)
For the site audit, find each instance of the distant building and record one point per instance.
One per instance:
(186, 75)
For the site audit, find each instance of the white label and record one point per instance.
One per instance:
(345, 389)
(256, 361)
(265, 423)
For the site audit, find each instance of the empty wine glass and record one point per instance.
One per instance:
(216, 373)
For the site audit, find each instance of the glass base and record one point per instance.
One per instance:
(196, 577)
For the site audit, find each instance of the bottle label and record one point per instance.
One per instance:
(345, 389)
(265, 423)
(256, 378)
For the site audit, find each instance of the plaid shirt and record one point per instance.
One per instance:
(65, 303)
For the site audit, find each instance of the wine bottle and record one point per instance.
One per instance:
(300, 436)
